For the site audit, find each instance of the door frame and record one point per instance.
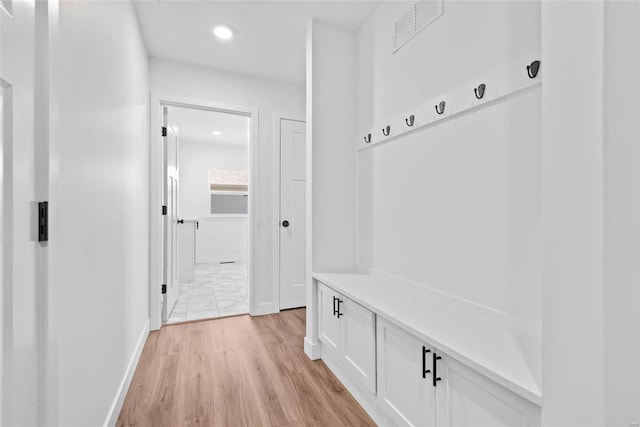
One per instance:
(277, 119)
(156, 194)
(166, 225)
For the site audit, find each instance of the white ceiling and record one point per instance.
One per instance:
(269, 38)
(197, 126)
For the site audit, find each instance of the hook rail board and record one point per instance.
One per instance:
(483, 90)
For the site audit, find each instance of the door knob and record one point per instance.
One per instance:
(285, 223)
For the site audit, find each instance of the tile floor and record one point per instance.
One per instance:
(217, 290)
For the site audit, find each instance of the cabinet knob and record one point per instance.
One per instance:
(285, 223)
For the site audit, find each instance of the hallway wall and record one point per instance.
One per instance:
(454, 206)
(100, 191)
(218, 238)
(169, 78)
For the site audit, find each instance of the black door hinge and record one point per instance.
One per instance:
(164, 210)
(43, 221)
(164, 289)
(164, 131)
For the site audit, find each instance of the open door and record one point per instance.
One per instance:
(170, 282)
(292, 213)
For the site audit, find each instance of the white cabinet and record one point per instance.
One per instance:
(404, 382)
(466, 398)
(348, 331)
(187, 249)
(460, 396)
(358, 341)
(329, 322)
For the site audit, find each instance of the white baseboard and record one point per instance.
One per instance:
(312, 350)
(265, 308)
(116, 407)
(222, 258)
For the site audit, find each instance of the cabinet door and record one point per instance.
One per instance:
(466, 398)
(406, 395)
(329, 323)
(359, 342)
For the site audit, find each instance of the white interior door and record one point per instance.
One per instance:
(18, 214)
(171, 218)
(292, 213)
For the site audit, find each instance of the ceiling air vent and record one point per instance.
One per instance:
(416, 19)
(7, 6)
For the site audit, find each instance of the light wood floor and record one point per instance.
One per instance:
(236, 371)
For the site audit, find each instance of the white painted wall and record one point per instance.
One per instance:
(333, 178)
(100, 239)
(591, 224)
(218, 238)
(622, 212)
(331, 159)
(455, 206)
(175, 79)
(573, 214)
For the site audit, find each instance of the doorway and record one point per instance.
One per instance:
(206, 231)
(206, 226)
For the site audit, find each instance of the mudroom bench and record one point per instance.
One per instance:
(412, 355)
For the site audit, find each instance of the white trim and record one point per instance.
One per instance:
(116, 406)
(156, 200)
(277, 121)
(221, 258)
(314, 351)
(225, 217)
(501, 82)
(266, 308)
(311, 326)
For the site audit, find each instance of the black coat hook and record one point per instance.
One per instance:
(479, 91)
(440, 107)
(410, 120)
(532, 70)
(367, 138)
(388, 131)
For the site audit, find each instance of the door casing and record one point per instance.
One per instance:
(158, 101)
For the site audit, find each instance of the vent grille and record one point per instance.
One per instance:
(229, 203)
(416, 19)
(7, 6)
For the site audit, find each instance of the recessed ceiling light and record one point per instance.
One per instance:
(223, 32)
(217, 133)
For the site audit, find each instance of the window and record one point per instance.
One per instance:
(228, 180)
(229, 191)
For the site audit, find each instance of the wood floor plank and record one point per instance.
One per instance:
(236, 371)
